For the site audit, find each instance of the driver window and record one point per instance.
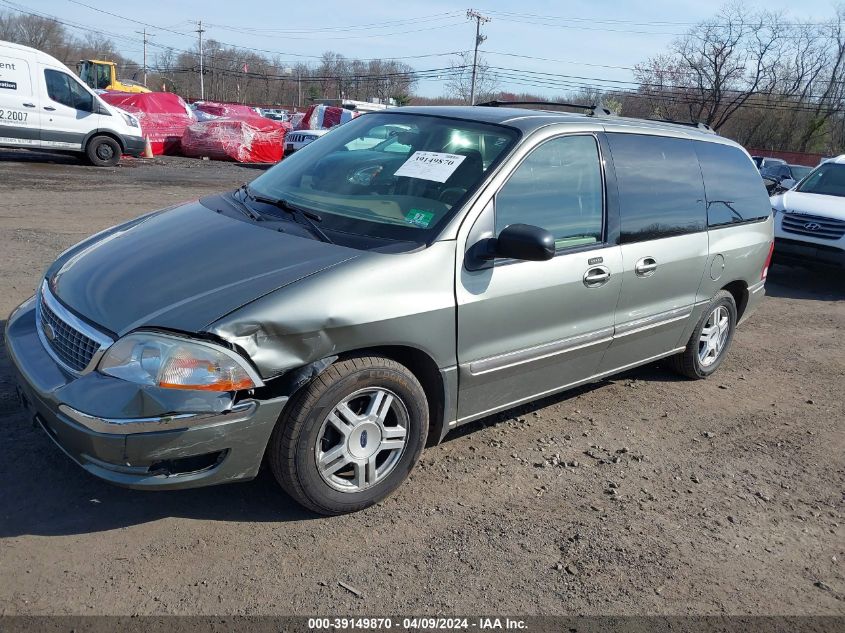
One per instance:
(557, 187)
(62, 88)
(103, 76)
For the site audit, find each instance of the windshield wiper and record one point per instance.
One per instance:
(301, 215)
(252, 214)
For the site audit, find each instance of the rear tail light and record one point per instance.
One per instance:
(768, 263)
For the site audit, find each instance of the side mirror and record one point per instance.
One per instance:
(523, 242)
(787, 183)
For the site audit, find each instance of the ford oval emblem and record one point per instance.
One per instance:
(49, 332)
(364, 439)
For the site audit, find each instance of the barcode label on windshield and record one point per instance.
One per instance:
(434, 166)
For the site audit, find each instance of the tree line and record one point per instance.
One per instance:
(756, 76)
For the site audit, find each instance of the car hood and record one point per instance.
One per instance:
(813, 204)
(182, 269)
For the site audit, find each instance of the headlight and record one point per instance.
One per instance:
(172, 362)
(131, 121)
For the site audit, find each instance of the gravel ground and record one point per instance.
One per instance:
(643, 494)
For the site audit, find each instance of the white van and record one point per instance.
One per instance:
(43, 105)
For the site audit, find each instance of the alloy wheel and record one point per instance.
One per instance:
(714, 336)
(362, 439)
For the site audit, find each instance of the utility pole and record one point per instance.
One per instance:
(200, 31)
(144, 33)
(472, 14)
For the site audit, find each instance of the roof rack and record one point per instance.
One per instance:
(595, 109)
(696, 124)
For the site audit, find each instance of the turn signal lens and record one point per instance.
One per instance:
(177, 363)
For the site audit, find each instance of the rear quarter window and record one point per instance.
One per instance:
(733, 186)
(661, 193)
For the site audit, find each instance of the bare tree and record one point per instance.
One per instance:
(459, 84)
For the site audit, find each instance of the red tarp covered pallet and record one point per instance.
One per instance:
(249, 140)
(323, 117)
(226, 110)
(163, 117)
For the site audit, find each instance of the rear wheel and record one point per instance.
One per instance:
(103, 151)
(350, 437)
(710, 340)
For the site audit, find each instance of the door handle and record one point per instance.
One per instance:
(49, 108)
(645, 267)
(596, 276)
(28, 105)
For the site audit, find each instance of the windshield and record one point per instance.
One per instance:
(389, 175)
(798, 171)
(828, 179)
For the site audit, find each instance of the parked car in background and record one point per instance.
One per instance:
(43, 105)
(276, 114)
(296, 140)
(350, 306)
(765, 161)
(810, 218)
(783, 176)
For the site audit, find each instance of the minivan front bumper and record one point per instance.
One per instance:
(133, 435)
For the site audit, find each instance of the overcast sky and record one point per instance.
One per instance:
(580, 39)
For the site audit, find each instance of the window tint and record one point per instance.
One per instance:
(735, 191)
(660, 188)
(557, 187)
(64, 89)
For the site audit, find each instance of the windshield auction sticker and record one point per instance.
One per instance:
(434, 166)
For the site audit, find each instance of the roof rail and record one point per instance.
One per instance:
(696, 124)
(595, 109)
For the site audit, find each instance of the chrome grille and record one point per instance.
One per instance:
(71, 342)
(813, 225)
(298, 138)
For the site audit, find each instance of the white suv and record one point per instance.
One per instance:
(810, 217)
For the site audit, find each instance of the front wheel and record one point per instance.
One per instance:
(710, 340)
(351, 436)
(103, 151)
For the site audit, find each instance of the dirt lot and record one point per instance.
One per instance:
(717, 497)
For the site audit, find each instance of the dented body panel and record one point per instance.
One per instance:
(374, 300)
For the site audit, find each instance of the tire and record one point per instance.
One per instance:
(315, 428)
(103, 151)
(689, 363)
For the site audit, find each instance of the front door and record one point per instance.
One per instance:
(19, 116)
(528, 328)
(67, 110)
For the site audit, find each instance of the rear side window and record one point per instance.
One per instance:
(64, 89)
(557, 187)
(735, 191)
(661, 193)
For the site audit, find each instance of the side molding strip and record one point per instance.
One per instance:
(538, 352)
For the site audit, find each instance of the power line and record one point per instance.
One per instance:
(635, 23)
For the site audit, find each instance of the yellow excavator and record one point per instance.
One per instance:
(102, 75)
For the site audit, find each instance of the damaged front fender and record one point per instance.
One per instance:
(376, 300)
